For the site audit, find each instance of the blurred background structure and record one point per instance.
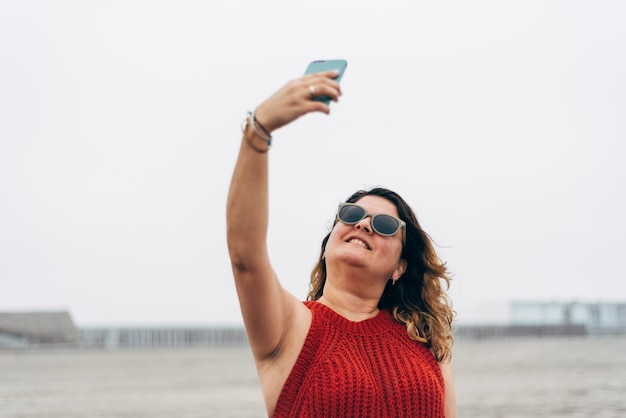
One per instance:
(529, 319)
(25, 329)
(597, 318)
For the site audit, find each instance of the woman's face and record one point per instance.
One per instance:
(359, 246)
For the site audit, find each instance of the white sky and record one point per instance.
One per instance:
(502, 123)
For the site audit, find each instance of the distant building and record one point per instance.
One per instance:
(22, 329)
(598, 318)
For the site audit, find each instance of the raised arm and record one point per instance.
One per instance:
(269, 311)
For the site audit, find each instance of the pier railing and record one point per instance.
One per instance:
(162, 337)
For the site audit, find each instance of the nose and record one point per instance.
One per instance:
(364, 224)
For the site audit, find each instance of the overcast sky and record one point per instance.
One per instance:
(502, 123)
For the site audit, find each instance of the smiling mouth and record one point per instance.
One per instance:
(359, 242)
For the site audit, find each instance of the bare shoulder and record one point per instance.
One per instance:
(275, 369)
(448, 380)
(296, 328)
(296, 324)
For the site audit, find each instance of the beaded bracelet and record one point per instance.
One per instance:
(265, 135)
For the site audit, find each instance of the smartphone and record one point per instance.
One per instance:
(325, 65)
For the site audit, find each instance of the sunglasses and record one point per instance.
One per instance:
(382, 224)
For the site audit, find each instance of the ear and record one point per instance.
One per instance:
(399, 271)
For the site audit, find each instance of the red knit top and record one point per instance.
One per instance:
(369, 368)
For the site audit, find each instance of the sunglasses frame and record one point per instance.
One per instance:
(401, 223)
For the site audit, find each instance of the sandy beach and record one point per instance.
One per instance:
(564, 377)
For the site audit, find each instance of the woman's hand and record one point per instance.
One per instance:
(295, 99)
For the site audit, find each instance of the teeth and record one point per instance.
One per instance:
(358, 241)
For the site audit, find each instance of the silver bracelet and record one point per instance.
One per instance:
(250, 120)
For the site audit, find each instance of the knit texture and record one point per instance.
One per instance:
(368, 369)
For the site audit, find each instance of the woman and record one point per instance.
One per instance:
(374, 337)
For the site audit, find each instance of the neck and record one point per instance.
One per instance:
(349, 305)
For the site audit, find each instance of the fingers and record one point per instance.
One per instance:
(331, 74)
(322, 84)
(317, 106)
(297, 98)
(323, 92)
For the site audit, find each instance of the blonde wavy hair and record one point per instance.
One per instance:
(418, 299)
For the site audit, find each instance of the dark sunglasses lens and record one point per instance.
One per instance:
(351, 214)
(385, 225)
